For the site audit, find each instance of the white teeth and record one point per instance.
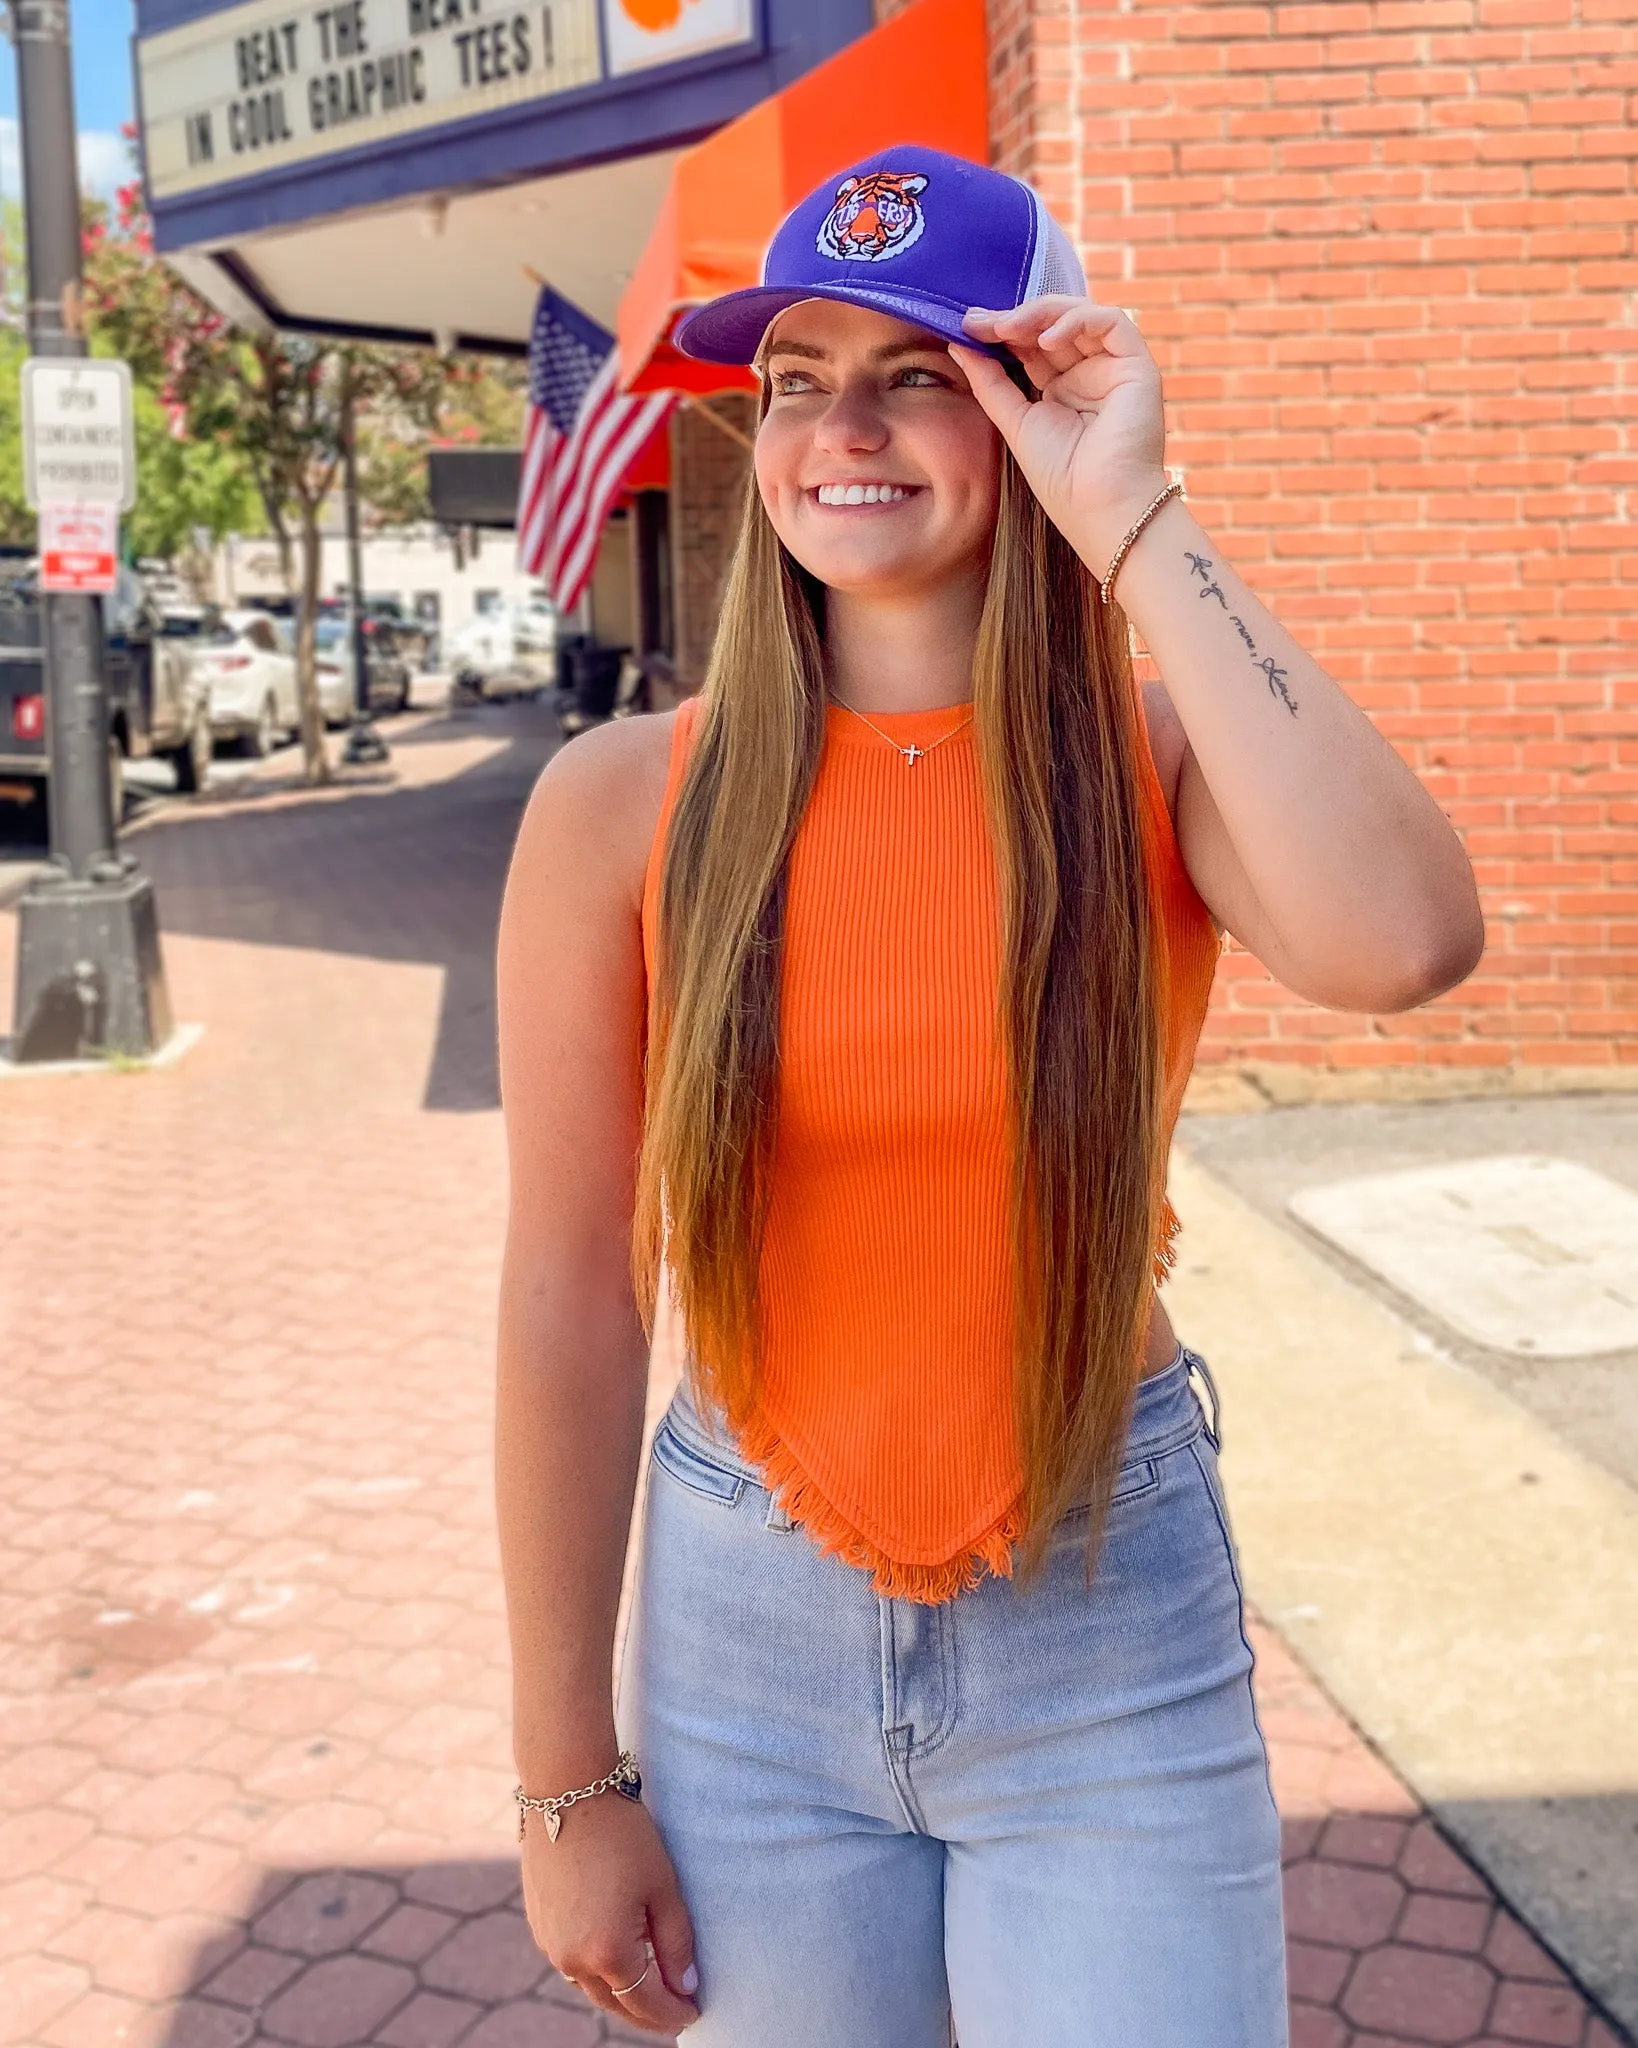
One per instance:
(861, 494)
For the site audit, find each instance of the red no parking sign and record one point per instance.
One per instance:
(79, 546)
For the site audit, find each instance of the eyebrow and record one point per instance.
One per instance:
(887, 353)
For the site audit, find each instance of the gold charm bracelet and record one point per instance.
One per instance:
(625, 1779)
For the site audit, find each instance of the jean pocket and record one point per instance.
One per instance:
(696, 1469)
(1132, 1483)
(1135, 1480)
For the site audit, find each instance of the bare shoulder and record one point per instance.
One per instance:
(571, 981)
(592, 815)
(623, 763)
(1168, 742)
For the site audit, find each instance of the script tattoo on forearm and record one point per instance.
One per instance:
(1269, 668)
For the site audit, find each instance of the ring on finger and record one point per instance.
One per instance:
(630, 1988)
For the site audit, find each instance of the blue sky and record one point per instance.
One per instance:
(102, 90)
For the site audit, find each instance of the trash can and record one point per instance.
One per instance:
(566, 648)
(596, 673)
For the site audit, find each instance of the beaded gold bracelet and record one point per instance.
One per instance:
(1172, 490)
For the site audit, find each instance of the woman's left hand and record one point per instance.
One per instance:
(1093, 446)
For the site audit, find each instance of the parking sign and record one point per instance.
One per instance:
(79, 546)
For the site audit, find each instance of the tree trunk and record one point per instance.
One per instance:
(314, 758)
(198, 571)
(281, 533)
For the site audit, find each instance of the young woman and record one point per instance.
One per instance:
(861, 995)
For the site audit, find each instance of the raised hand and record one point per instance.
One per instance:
(1093, 446)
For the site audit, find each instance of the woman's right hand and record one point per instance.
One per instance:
(599, 1899)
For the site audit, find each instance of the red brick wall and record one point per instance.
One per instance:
(1384, 252)
(707, 490)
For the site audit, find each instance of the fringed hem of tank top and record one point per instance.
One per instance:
(831, 1533)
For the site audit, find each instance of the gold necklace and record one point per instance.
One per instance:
(912, 753)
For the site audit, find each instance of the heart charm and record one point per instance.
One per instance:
(553, 1823)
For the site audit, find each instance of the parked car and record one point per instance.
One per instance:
(516, 646)
(390, 632)
(252, 677)
(335, 691)
(386, 672)
(409, 631)
(157, 705)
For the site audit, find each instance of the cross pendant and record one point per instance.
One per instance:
(912, 754)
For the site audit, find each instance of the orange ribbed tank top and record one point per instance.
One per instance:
(885, 1420)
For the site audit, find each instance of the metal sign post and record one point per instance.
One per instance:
(364, 742)
(89, 977)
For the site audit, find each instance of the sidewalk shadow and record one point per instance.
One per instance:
(406, 1954)
(410, 874)
(1393, 1937)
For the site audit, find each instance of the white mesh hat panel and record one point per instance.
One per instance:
(1054, 266)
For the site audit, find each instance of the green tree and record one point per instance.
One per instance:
(187, 482)
(13, 273)
(478, 406)
(288, 404)
(280, 405)
(16, 520)
(185, 488)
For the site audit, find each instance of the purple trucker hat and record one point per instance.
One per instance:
(909, 232)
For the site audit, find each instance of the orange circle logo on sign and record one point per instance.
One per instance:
(653, 14)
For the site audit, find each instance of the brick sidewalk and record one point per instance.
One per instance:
(254, 1770)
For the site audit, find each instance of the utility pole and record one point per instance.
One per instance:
(89, 974)
(364, 743)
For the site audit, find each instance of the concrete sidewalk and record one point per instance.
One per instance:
(1460, 1573)
(254, 1771)
(1591, 1403)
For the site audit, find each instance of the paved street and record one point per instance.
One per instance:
(255, 1781)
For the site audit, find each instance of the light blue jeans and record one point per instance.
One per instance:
(1039, 1814)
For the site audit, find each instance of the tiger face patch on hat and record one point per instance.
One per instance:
(874, 218)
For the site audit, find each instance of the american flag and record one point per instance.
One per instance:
(580, 437)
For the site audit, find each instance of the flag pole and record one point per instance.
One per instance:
(722, 426)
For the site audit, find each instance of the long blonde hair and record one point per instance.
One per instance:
(1056, 726)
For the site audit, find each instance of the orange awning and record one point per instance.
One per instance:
(921, 77)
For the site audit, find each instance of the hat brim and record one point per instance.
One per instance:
(730, 329)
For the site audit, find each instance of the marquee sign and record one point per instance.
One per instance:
(267, 85)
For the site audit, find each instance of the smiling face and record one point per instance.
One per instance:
(879, 470)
